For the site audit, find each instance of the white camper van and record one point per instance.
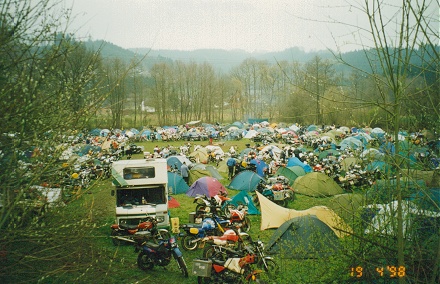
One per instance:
(141, 189)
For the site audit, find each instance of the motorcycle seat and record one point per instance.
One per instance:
(128, 227)
(152, 245)
(199, 226)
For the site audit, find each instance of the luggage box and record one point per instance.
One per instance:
(202, 267)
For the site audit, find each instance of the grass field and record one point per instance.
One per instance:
(77, 248)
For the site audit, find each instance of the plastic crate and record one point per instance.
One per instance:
(202, 267)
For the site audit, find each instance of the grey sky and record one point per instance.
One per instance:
(251, 25)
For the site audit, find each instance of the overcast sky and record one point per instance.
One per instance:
(250, 25)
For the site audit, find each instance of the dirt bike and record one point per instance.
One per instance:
(157, 249)
(231, 270)
(218, 204)
(125, 233)
(277, 192)
(194, 233)
(245, 245)
(238, 218)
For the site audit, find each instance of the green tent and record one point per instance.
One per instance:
(346, 205)
(316, 184)
(303, 237)
(292, 173)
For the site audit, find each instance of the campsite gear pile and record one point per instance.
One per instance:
(276, 189)
(157, 249)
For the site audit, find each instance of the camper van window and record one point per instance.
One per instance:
(137, 173)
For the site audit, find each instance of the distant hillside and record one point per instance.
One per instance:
(225, 60)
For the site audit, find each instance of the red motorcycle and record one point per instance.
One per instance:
(231, 270)
(239, 220)
(124, 233)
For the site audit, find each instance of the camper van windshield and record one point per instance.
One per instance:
(155, 195)
(137, 173)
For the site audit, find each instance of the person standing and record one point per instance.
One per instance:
(231, 167)
(184, 171)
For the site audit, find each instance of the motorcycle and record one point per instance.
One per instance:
(234, 269)
(125, 233)
(158, 251)
(238, 218)
(218, 204)
(245, 245)
(194, 233)
(277, 190)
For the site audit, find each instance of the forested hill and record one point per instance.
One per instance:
(226, 60)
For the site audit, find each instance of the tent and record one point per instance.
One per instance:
(303, 237)
(244, 198)
(294, 161)
(260, 165)
(200, 155)
(176, 184)
(348, 163)
(245, 180)
(172, 202)
(427, 199)
(316, 184)
(384, 190)
(292, 173)
(207, 186)
(351, 142)
(273, 216)
(177, 161)
(201, 170)
(346, 205)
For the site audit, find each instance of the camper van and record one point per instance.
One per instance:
(141, 190)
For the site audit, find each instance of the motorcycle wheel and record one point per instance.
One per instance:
(182, 266)
(187, 243)
(203, 280)
(271, 267)
(226, 210)
(246, 226)
(144, 261)
(283, 202)
(115, 241)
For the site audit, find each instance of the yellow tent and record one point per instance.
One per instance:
(273, 216)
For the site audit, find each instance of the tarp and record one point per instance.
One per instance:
(303, 237)
(176, 184)
(316, 184)
(273, 216)
(245, 180)
(244, 198)
(292, 173)
(382, 218)
(294, 161)
(207, 186)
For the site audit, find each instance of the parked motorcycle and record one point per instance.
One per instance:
(194, 233)
(158, 250)
(238, 218)
(234, 269)
(245, 244)
(219, 204)
(125, 233)
(277, 190)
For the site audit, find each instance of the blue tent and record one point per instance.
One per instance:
(260, 165)
(244, 198)
(294, 161)
(176, 184)
(351, 142)
(245, 180)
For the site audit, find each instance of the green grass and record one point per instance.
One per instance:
(72, 244)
